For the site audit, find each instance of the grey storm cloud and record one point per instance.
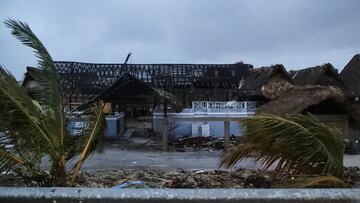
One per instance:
(296, 33)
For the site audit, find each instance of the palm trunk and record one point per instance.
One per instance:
(59, 172)
(340, 173)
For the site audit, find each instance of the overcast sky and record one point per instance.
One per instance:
(295, 33)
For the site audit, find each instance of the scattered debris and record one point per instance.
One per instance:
(176, 179)
(242, 178)
(195, 143)
(200, 171)
(127, 184)
(127, 135)
(352, 176)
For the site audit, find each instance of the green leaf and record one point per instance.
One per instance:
(293, 143)
(90, 138)
(49, 92)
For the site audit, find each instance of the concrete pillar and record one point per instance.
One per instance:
(165, 134)
(226, 133)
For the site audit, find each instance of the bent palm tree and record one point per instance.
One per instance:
(34, 127)
(294, 143)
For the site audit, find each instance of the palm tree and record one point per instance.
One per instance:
(33, 127)
(293, 143)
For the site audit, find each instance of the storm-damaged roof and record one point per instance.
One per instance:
(299, 99)
(258, 77)
(325, 74)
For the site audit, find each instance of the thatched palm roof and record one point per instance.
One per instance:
(325, 74)
(351, 75)
(257, 78)
(299, 99)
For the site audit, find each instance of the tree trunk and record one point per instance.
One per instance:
(59, 172)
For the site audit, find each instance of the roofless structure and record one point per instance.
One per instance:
(146, 89)
(213, 96)
(84, 81)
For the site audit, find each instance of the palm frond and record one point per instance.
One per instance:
(19, 158)
(21, 117)
(35, 126)
(8, 160)
(49, 94)
(23, 32)
(313, 181)
(23, 136)
(92, 135)
(297, 143)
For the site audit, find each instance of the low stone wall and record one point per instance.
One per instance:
(55, 195)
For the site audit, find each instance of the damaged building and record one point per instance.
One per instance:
(209, 99)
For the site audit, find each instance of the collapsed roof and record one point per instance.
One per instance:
(130, 90)
(92, 79)
(300, 99)
(297, 99)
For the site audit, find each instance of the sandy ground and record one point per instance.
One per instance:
(114, 158)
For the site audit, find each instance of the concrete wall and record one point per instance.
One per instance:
(184, 128)
(115, 125)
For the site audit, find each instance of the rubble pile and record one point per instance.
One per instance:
(244, 178)
(195, 143)
(352, 176)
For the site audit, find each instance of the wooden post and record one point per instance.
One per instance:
(226, 133)
(165, 134)
(165, 110)
(132, 112)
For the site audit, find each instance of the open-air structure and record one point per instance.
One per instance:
(208, 93)
(208, 99)
(188, 82)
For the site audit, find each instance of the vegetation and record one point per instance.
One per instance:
(296, 144)
(34, 127)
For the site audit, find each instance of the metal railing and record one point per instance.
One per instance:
(224, 106)
(20, 195)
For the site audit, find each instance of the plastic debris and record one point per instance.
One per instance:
(129, 183)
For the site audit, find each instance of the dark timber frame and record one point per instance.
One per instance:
(87, 80)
